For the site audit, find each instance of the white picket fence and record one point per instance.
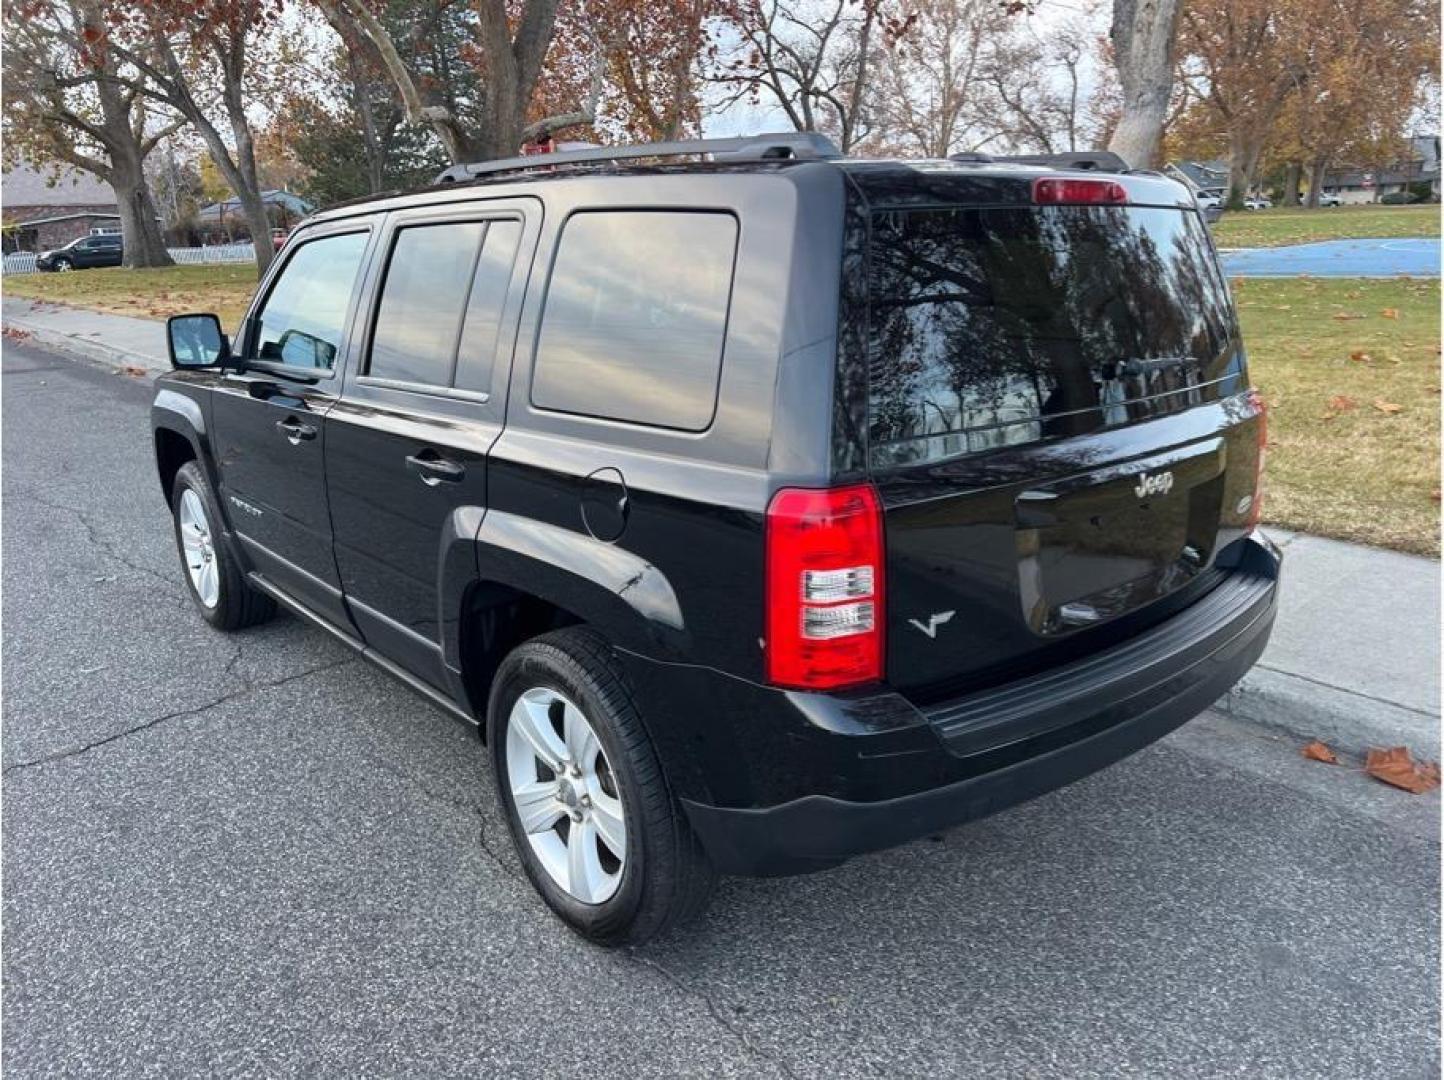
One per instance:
(23, 262)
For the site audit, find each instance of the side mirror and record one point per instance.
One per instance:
(300, 349)
(196, 341)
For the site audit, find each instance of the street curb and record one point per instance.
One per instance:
(1347, 721)
(85, 348)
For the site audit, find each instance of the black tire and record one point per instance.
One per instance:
(666, 879)
(237, 605)
(63, 264)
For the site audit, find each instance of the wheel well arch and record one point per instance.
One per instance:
(172, 450)
(495, 619)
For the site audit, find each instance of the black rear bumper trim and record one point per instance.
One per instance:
(1130, 709)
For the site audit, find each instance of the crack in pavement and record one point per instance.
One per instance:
(106, 546)
(195, 710)
(677, 983)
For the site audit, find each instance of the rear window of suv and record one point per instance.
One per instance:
(991, 327)
(635, 317)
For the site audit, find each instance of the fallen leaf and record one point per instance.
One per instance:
(1434, 495)
(1347, 315)
(1342, 403)
(135, 371)
(1317, 751)
(1390, 313)
(1388, 407)
(1361, 356)
(1395, 766)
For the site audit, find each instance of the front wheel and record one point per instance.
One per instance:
(596, 827)
(216, 583)
(63, 266)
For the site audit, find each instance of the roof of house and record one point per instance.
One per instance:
(1205, 174)
(1354, 178)
(27, 222)
(53, 185)
(275, 197)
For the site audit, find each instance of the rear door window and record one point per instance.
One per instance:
(635, 316)
(999, 326)
(441, 304)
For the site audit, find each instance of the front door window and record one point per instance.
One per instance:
(304, 317)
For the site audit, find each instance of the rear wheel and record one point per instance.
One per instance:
(595, 825)
(216, 583)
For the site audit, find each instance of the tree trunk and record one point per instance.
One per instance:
(1143, 35)
(1293, 173)
(1317, 168)
(144, 244)
(1238, 166)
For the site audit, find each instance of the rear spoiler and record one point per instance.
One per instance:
(1094, 160)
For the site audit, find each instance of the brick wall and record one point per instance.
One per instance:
(54, 234)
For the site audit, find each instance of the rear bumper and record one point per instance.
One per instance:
(1009, 744)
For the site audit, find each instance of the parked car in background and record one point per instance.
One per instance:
(82, 254)
(1209, 200)
(1258, 202)
(1330, 199)
(673, 485)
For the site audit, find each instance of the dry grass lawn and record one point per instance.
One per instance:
(1291, 225)
(1350, 369)
(147, 294)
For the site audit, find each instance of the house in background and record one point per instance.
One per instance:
(1210, 177)
(49, 207)
(226, 221)
(1357, 185)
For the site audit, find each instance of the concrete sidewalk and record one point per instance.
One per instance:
(108, 339)
(1354, 659)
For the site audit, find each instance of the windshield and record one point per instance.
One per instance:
(991, 327)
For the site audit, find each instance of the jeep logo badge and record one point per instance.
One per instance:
(1157, 484)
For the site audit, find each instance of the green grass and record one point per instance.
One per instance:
(147, 294)
(1327, 355)
(1292, 225)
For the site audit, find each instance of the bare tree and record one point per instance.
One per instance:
(508, 67)
(199, 58)
(64, 101)
(1143, 36)
(817, 64)
(936, 98)
(1037, 87)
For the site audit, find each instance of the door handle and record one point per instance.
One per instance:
(296, 431)
(435, 470)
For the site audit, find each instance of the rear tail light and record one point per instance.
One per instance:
(1256, 507)
(1053, 190)
(824, 588)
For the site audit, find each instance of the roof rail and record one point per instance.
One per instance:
(1097, 160)
(782, 145)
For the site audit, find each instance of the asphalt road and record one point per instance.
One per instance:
(257, 855)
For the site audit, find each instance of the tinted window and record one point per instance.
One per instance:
(423, 302)
(304, 316)
(441, 303)
(480, 331)
(1002, 326)
(635, 315)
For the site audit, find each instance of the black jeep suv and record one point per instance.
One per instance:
(760, 510)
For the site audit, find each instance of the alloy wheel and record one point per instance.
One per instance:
(198, 547)
(565, 795)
